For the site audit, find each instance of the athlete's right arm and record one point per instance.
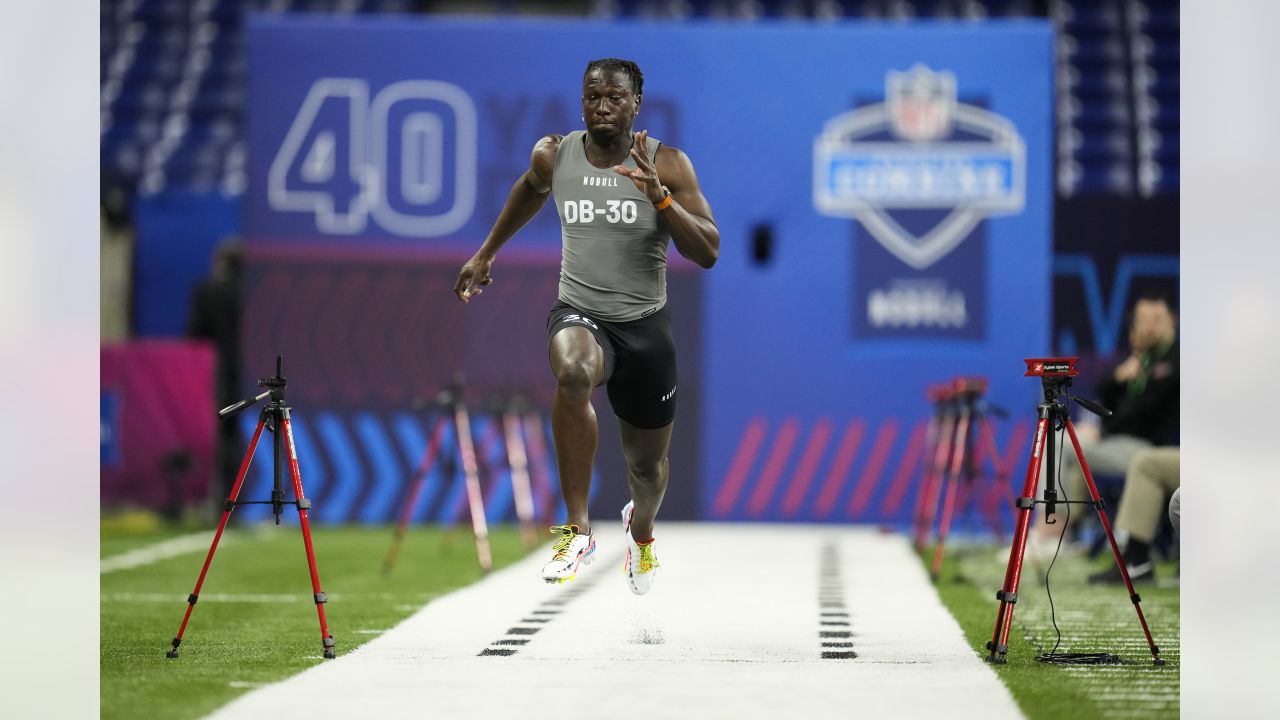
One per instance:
(527, 197)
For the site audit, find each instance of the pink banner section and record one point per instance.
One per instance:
(795, 468)
(158, 423)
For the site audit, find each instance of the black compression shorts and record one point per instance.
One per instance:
(639, 362)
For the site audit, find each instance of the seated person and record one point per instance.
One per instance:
(1142, 394)
(1152, 479)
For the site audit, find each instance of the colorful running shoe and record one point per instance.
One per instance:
(641, 565)
(572, 549)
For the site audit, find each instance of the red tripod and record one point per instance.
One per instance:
(513, 412)
(450, 410)
(275, 417)
(971, 412)
(937, 454)
(539, 465)
(1054, 414)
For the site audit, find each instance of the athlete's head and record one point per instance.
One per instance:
(611, 93)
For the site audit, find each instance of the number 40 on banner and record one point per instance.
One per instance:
(406, 158)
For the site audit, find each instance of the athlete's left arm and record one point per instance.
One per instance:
(688, 217)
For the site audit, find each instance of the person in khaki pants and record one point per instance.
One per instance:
(1152, 478)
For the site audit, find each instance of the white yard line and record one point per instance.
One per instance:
(294, 597)
(170, 597)
(733, 630)
(162, 550)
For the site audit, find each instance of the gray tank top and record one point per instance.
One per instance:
(614, 259)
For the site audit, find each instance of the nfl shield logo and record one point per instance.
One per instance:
(918, 167)
(921, 103)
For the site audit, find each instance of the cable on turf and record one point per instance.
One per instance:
(1053, 656)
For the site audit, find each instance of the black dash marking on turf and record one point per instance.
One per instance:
(831, 608)
(547, 615)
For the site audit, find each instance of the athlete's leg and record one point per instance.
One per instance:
(578, 363)
(647, 473)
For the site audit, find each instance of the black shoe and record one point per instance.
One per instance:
(1141, 573)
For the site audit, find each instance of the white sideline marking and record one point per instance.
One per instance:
(162, 550)
(213, 597)
(731, 630)
(297, 597)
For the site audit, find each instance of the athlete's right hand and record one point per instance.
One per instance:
(473, 274)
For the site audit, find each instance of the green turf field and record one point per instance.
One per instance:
(255, 622)
(1092, 619)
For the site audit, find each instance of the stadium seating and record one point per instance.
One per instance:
(173, 88)
(172, 75)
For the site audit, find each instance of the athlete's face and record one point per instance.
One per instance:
(609, 104)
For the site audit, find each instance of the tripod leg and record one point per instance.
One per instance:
(518, 461)
(536, 443)
(926, 479)
(946, 441)
(1111, 538)
(303, 504)
(483, 444)
(222, 524)
(475, 497)
(989, 444)
(1008, 594)
(960, 446)
(419, 480)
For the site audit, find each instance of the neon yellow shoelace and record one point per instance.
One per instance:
(561, 547)
(647, 560)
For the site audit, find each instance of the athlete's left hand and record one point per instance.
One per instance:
(645, 176)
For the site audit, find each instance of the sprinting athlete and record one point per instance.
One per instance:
(622, 197)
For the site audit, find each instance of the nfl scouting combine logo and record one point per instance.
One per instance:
(920, 149)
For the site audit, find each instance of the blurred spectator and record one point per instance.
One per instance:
(1142, 393)
(1152, 479)
(115, 237)
(215, 316)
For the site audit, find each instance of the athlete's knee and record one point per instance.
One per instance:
(648, 471)
(574, 380)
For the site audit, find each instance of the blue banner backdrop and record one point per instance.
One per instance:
(895, 178)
